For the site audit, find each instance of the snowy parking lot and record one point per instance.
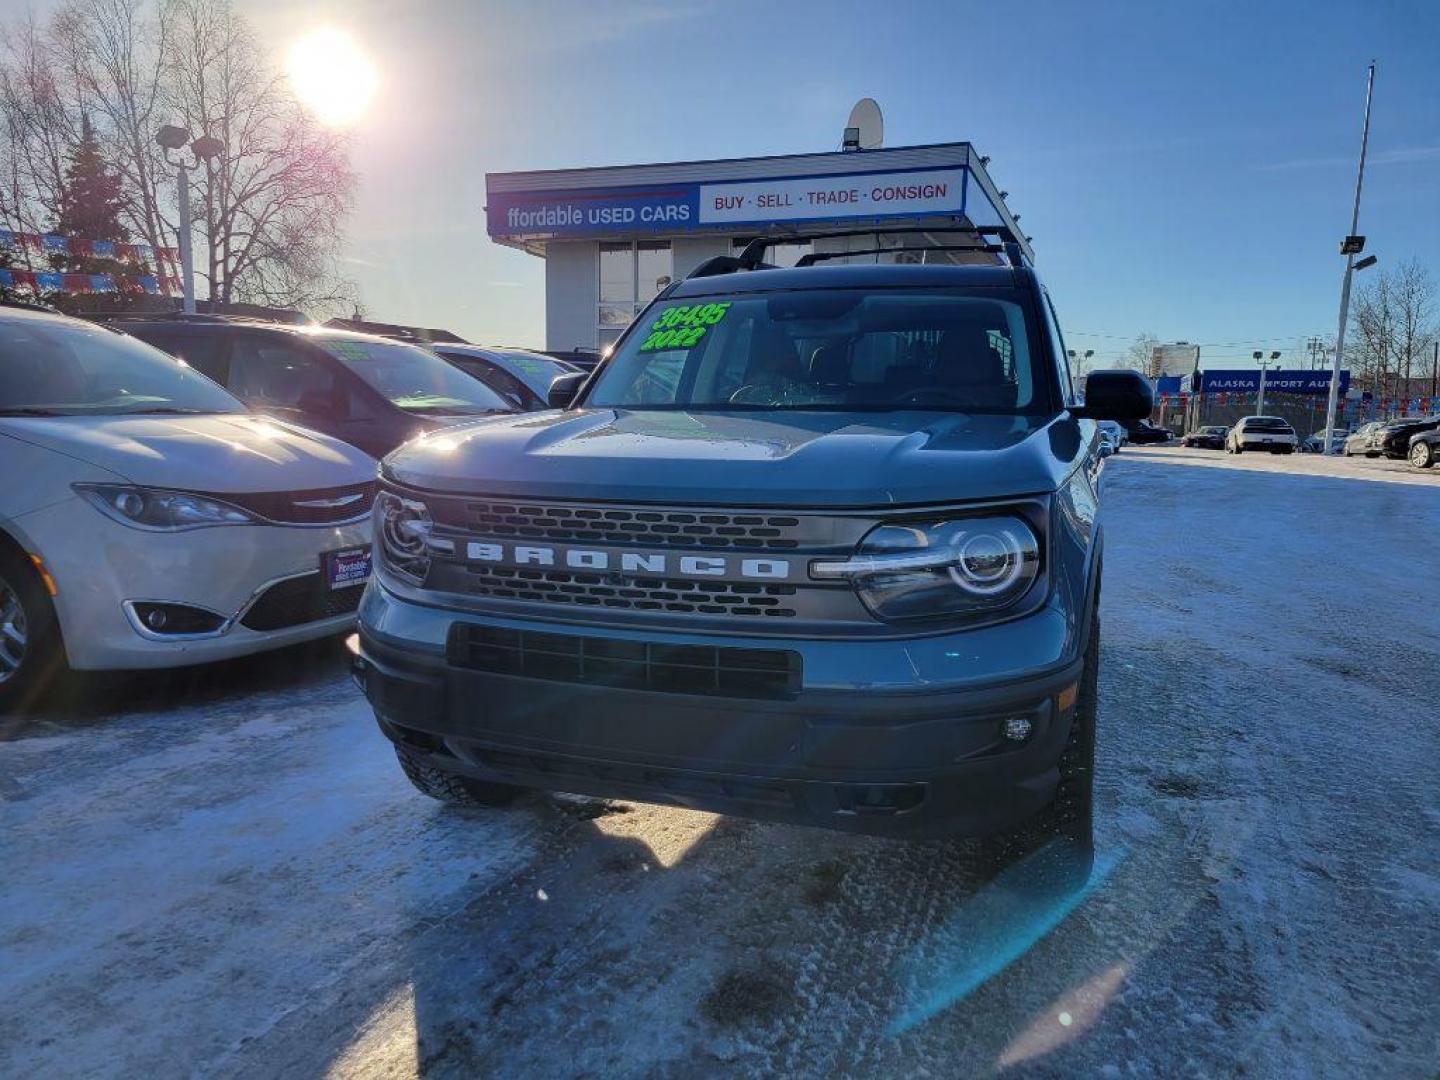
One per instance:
(224, 873)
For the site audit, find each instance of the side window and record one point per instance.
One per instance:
(1062, 358)
(499, 380)
(276, 375)
(206, 354)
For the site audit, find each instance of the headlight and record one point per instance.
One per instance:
(156, 508)
(964, 566)
(402, 532)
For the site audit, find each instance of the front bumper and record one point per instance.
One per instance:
(896, 737)
(100, 566)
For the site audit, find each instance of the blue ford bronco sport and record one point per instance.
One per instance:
(818, 545)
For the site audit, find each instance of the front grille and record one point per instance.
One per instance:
(632, 665)
(280, 506)
(299, 600)
(650, 528)
(687, 597)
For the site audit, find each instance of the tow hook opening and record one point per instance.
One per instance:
(878, 798)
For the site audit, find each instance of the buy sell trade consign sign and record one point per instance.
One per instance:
(680, 207)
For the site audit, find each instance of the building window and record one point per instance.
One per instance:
(630, 276)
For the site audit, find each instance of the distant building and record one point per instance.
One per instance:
(1178, 360)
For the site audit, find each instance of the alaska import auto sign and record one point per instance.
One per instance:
(1247, 381)
(673, 208)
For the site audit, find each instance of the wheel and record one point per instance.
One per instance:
(1059, 841)
(31, 652)
(1422, 455)
(451, 788)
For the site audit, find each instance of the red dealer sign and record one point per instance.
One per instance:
(930, 191)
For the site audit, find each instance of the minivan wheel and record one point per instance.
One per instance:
(1422, 455)
(30, 651)
(451, 788)
(1059, 841)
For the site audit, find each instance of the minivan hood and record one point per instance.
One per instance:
(213, 453)
(770, 458)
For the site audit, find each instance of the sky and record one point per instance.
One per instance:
(1185, 169)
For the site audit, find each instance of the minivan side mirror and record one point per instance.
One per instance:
(1116, 395)
(564, 389)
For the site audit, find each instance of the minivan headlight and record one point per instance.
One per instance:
(957, 567)
(402, 530)
(159, 509)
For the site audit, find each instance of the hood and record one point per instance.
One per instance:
(773, 458)
(217, 453)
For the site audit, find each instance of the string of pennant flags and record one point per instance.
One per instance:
(55, 244)
(163, 259)
(1405, 405)
(42, 281)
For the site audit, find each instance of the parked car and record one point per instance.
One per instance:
(372, 392)
(1315, 442)
(583, 359)
(1425, 448)
(1363, 440)
(1116, 433)
(1393, 438)
(1141, 432)
(519, 376)
(1272, 433)
(159, 523)
(747, 587)
(1210, 437)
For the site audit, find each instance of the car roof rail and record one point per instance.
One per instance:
(750, 258)
(811, 258)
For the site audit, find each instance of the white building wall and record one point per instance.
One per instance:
(690, 251)
(572, 294)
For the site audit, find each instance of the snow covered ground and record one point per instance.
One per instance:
(242, 884)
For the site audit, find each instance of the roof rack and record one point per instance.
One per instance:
(182, 316)
(812, 257)
(750, 257)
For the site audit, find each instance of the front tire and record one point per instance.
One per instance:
(451, 788)
(1422, 455)
(1061, 836)
(31, 652)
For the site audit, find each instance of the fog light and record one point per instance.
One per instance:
(156, 619)
(1018, 728)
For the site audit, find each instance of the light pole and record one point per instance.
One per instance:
(1350, 247)
(1078, 360)
(1264, 364)
(171, 137)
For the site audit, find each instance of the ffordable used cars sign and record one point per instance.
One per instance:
(671, 208)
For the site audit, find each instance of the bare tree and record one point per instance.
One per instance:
(276, 198)
(1395, 326)
(272, 205)
(1141, 355)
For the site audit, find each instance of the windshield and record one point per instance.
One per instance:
(538, 370)
(1266, 423)
(830, 349)
(414, 379)
(55, 367)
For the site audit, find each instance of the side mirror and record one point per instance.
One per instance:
(564, 389)
(1116, 395)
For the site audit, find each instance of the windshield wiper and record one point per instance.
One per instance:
(163, 410)
(30, 410)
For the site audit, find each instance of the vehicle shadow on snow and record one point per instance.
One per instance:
(659, 941)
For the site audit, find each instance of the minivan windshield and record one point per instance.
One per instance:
(64, 367)
(414, 379)
(846, 349)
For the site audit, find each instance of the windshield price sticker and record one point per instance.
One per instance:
(683, 327)
(346, 350)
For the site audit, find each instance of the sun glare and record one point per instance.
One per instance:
(332, 76)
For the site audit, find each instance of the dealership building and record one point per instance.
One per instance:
(613, 237)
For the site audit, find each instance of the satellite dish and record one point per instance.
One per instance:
(867, 124)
